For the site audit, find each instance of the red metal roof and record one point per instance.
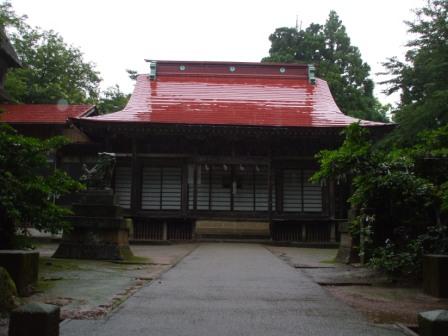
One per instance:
(226, 93)
(41, 113)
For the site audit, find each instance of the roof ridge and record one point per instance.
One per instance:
(231, 69)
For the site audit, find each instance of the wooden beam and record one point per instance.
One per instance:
(231, 160)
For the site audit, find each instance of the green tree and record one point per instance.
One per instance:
(396, 195)
(52, 69)
(112, 100)
(9, 18)
(422, 76)
(338, 62)
(29, 186)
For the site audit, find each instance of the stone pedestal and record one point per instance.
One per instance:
(435, 275)
(35, 319)
(23, 267)
(7, 292)
(433, 323)
(99, 230)
(346, 253)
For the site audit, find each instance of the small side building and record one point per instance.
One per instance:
(225, 150)
(48, 120)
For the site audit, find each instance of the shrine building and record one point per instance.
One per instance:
(225, 150)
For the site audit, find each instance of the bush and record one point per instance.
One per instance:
(435, 240)
(404, 258)
(29, 185)
(396, 261)
(7, 292)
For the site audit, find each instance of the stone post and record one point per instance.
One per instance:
(435, 275)
(23, 267)
(35, 319)
(433, 323)
(346, 252)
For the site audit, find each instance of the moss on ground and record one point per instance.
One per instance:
(329, 261)
(47, 264)
(44, 285)
(134, 260)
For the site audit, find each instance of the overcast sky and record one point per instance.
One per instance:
(119, 35)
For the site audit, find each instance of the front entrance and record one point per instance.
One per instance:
(225, 187)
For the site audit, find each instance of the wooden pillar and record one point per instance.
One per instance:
(271, 229)
(165, 231)
(328, 199)
(254, 189)
(210, 186)
(279, 190)
(184, 190)
(136, 182)
(195, 186)
(304, 231)
(233, 186)
(107, 143)
(270, 190)
(302, 191)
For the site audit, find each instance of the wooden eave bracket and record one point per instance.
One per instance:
(152, 69)
(312, 74)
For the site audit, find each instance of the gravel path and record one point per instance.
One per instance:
(231, 289)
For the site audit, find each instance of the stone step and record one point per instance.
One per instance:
(245, 229)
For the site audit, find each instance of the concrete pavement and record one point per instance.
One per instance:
(230, 289)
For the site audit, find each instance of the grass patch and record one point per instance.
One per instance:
(329, 261)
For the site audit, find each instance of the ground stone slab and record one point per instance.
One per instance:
(35, 319)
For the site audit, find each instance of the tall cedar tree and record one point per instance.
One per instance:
(338, 62)
(422, 77)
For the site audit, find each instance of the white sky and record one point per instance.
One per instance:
(119, 35)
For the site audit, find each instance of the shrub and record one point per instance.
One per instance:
(404, 258)
(29, 185)
(398, 261)
(7, 292)
(435, 240)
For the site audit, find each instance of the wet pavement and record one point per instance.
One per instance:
(230, 289)
(90, 289)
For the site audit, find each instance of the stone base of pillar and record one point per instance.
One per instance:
(99, 230)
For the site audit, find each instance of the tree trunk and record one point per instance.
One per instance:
(7, 231)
